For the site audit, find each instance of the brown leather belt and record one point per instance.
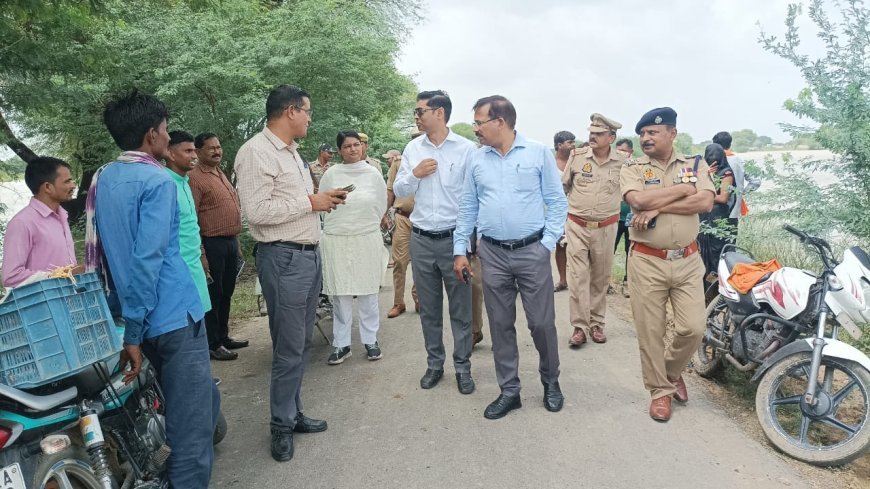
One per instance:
(403, 213)
(665, 254)
(594, 224)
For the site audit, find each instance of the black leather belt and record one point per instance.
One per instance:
(292, 245)
(433, 234)
(514, 244)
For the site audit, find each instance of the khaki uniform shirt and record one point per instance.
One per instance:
(404, 204)
(273, 185)
(592, 188)
(672, 231)
(376, 164)
(317, 171)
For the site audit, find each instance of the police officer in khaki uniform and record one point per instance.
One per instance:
(591, 181)
(401, 237)
(666, 192)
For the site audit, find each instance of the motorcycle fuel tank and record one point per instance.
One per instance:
(787, 291)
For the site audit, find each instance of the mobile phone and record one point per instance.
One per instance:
(466, 276)
(630, 215)
(349, 188)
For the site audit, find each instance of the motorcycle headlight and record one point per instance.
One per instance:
(835, 283)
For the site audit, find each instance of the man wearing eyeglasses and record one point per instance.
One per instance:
(432, 171)
(278, 199)
(514, 196)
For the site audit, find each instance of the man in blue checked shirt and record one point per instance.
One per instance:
(514, 194)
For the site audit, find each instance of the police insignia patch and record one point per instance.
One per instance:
(648, 174)
(587, 168)
(658, 119)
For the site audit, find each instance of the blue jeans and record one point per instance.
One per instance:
(192, 402)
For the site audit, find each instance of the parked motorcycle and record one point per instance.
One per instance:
(813, 398)
(87, 431)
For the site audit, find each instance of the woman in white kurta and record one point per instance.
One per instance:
(354, 256)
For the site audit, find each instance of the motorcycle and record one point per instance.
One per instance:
(813, 396)
(89, 430)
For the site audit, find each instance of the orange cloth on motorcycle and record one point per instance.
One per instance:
(745, 275)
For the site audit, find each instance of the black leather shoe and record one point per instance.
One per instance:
(222, 354)
(304, 424)
(553, 398)
(282, 444)
(501, 406)
(234, 344)
(431, 378)
(465, 383)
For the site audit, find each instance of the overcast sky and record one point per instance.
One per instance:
(561, 60)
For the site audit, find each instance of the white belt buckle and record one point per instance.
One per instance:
(676, 254)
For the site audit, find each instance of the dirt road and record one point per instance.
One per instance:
(386, 432)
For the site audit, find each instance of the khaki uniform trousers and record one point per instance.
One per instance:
(590, 256)
(401, 259)
(476, 295)
(653, 282)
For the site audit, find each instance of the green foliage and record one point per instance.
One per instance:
(837, 102)
(465, 130)
(212, 63)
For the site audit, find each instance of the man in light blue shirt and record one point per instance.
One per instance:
(432, 171)
(514, 194)
(137, 219)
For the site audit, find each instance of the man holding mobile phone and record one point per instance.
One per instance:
(665, 265)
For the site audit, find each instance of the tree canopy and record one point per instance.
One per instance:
(212, 62)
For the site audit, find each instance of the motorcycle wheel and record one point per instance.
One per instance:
(220, 429)
(836, 430)
(706, 360)
(69, 469)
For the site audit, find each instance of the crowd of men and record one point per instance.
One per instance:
(479, 222)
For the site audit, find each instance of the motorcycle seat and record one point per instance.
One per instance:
(732, 258)
(37, 402)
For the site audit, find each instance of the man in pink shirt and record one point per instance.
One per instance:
(38, 238)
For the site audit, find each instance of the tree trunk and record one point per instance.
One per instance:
(15, 144)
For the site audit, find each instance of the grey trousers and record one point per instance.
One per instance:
(290, 280)
(432, 264)
(504, 270)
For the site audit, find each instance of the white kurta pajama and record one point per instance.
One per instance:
(354, 256)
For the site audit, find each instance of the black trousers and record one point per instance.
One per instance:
(621, 230)
(222, 255)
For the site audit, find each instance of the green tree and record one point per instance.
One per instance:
(465, 130)
(836, 102)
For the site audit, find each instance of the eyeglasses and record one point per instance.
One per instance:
(310, 112)
(478, 124)
(419, 111)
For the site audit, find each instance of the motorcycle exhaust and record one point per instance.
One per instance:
(739, 366)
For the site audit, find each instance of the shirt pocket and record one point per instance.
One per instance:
(528, 178)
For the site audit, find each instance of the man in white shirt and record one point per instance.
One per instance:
(433, 172)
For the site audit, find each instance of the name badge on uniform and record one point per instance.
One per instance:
(686, 175)
(649, 177)
(586, 171)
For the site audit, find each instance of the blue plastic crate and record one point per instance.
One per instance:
(51, 329)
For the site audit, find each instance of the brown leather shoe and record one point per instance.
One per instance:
(417, 306)
(578, 338)
(597, 334)
(476, 338)
(660, 409)
(396, 310)
(681, 394)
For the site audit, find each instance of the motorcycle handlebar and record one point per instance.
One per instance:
(797, 232)
(820, 244)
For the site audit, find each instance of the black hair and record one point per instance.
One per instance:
(437, 99)
(499, 108)
(561, 137)
(42, 170)
(339, 140)
(625, 141)
(178, 137)
(130, 117)
(723, 139)
(201, 138)
(284, 96)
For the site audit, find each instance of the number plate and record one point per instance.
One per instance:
(11, 477)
